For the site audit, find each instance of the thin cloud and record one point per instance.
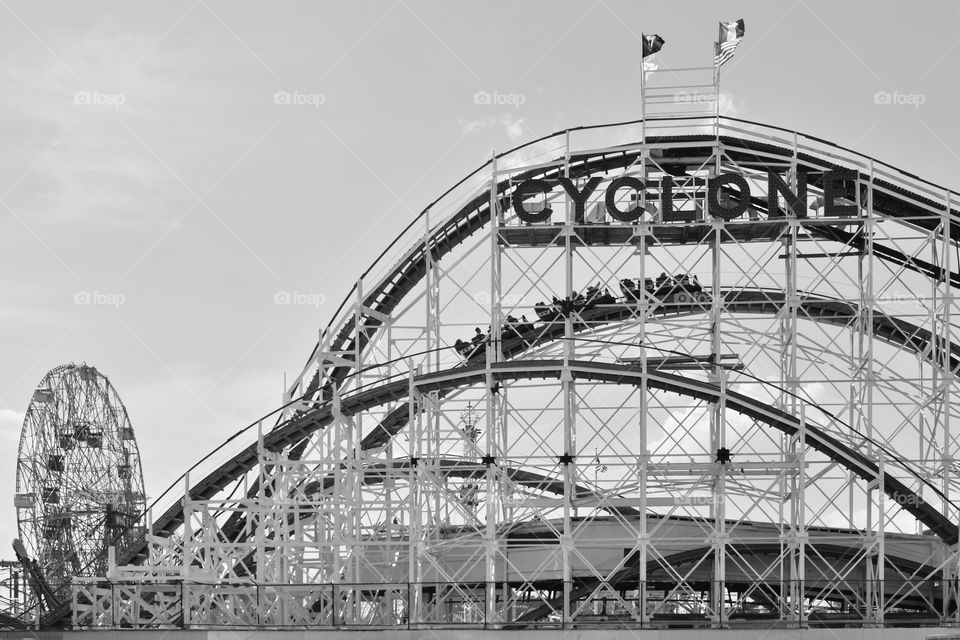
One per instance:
(730, 105)
(513, 127)
(10, 423)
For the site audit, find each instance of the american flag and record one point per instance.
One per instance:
(731, 33)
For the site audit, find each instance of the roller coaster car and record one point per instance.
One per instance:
(465, 349)
(579, 302)
(546, 312)
(469, 349)
(605, 297)
(690, 290)
(691, 285)
(591, 298)
(663, 289)
(523, 326)
(515, 328)
(682, 290)
(594, 296)
(630, 289)
(568, 306)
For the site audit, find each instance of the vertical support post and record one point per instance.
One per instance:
(800, 524)
(415, 536)
(948, 374)
(865, 327)
(390, 530)
(644, 466)
(340, 494)
(490, 511)
(358, 332)
(432, 298)
(794, 531)
(493, 354)
(951, 577)
(496, 221)
(569, 407)
(869, 233)
(881, 540)
(256, 514)
(717, 415)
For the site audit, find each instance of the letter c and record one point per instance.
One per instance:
(528, 188)
(633, 213)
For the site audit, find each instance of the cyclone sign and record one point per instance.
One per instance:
(836, 184)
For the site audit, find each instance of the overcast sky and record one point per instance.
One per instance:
(147, 167)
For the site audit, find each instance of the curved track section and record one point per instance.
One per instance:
(300, 428)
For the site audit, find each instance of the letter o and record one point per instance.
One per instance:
(713, 200)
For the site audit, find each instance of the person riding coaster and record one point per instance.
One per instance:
(683, 289)
(546, 312)
(469, 349)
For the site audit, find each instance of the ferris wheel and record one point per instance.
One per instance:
(79, 479)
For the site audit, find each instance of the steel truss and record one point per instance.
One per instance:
(772, 443)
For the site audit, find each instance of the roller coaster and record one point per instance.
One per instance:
(708, 420)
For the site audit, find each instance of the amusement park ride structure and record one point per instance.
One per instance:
(712, 420)
(79, 490)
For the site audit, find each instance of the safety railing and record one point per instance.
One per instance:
(652, 604)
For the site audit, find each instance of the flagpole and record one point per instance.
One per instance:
(728, 39)
(716, 104)
(716, 88)
(643, 92)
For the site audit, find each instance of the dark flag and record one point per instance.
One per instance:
(651, 45)
(731, 33)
